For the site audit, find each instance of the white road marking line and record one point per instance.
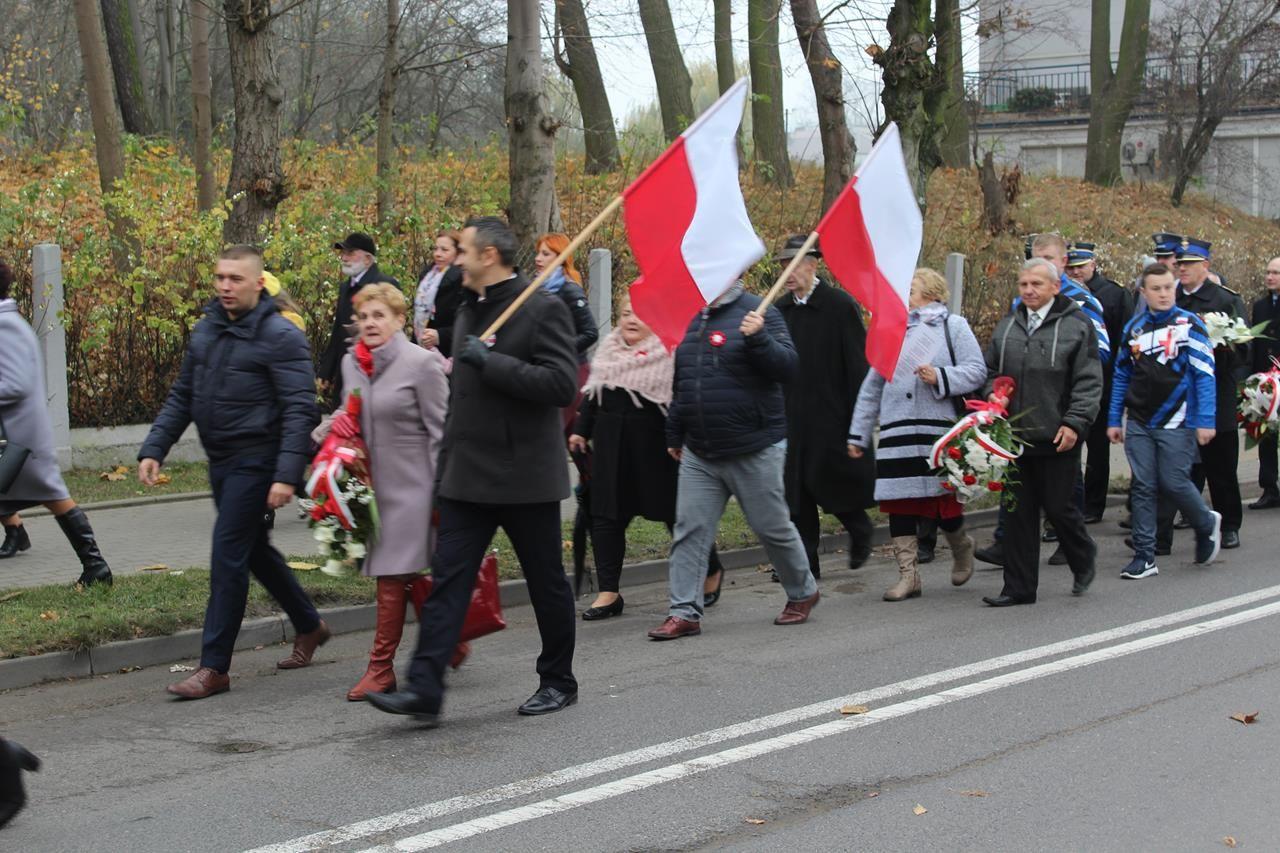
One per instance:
(514, 790)
(674, 772)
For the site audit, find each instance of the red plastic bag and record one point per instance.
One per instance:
(484, 616)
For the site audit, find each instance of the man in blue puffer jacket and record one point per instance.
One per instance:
(248, 385)
(727, 425)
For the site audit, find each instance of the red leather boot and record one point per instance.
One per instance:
(380, 677)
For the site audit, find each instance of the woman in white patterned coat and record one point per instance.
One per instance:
(940, 362)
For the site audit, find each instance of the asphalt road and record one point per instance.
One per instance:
(1097, 723)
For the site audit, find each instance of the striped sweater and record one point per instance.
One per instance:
(1164, 377)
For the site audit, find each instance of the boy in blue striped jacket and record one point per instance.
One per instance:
(1164, 378)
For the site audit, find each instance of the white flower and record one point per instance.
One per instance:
(355, 550)
(323, 533)
(979, 460)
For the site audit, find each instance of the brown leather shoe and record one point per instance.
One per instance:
(675, 628)
(797, 612)
(304, 646)
(201, 684)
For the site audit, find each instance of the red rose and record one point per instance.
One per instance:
(1239, 417)
(995, 486)
(969, 479)
(954, 452)
(948, 487)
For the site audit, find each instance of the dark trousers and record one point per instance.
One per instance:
(1268, 470)
(609, 544)
(1043, 485)
(804, 515)
(242, 546)
(912, 525)
(1097, 467)
(466, 529)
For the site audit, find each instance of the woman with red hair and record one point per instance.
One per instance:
(566, 283)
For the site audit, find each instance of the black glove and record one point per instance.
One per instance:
(474, 352)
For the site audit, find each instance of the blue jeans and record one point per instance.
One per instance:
(705, 485)
(1160, 462)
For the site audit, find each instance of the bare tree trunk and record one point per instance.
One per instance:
(125, 49)
(106, 123)
(837, 143)
(581, 66)
(306, 68)
(256, 186)
(950, 113)
(386, 111)
(533, 209)
(768, 121)
(1112, 92)
(995, 208)
(202, 104)
(726, 70)
(909, 81)
(166, 77)
(675, 87)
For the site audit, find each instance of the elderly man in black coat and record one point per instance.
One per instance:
(1267, 310)
(830, 340)
(503, 464)
(357, 254)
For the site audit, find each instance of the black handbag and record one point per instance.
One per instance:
(12, 457)
(957, 401)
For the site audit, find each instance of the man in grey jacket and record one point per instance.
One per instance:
(1048, 347)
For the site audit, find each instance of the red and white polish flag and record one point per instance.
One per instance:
(687, 222)
(870, 240)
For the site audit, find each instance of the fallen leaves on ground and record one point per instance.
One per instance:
(116, 474)
(873, 794)
(1247, 719)
(755, 821)
(163, 480)
(49, 615)
(854, 709)
(154, 567)
(130, 668)
(299, 566)
(974, 792)
(919, 810)
(182, 667)
(1230, 841)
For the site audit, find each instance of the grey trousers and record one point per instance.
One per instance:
(755, 479)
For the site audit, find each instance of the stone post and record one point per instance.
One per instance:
(46, 319)
(600, 288)
(955, 282)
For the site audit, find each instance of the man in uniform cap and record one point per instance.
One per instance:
(357, 254)
(1117, 308)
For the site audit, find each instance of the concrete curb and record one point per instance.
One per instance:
(185, 645)
(128, 502)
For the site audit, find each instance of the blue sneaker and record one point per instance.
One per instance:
(1209, 542)
(1140, 568)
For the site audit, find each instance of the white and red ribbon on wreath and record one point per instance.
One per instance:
(1272, 378)
(324, 483)
(981, 413)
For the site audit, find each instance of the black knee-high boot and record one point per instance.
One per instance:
(75, 524)
(13, 760)
(15, 540)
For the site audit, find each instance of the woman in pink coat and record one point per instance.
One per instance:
(405, 395)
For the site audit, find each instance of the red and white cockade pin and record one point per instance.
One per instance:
(490, 341)
(717, 339)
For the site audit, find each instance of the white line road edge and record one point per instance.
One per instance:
(674, 772)
(513, 790)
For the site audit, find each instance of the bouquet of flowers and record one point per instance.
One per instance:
(1259, 409)
(1225, 330)
(975, 456)
(340, 504)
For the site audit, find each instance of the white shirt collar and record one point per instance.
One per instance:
(1042, 312)
(804, 300)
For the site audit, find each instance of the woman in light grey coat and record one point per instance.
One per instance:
(404, 397)
(940, 362)
(25, 422)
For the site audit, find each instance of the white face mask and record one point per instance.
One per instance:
(353, 268)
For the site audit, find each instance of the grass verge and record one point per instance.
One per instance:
(92, 485)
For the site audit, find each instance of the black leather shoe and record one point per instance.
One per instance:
(13, 760)
(408, 703)
(858, 556)
(547, 700)
(1082, 581)
(1267, 501)
(993, 553)
(15, 541)
(1231, 539)
(1092, 517)
(710, 598)
(1125, 524)
(591, 614)
(1161, 550)
(1006, 600)
(1058, 557)
(1049, 535)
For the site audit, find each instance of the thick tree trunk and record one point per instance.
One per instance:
(305, 101)
(202, 104)
(256, 186)
(675, 87)
(166, 78)
(951, 115)
(1112, 92)
(531, 130)
(837, 143)
(909, 80)
(583, 69)
(726, 72)
(768, 122)
(995, 208)
(125, 48)
(106, 123)
(386, 113)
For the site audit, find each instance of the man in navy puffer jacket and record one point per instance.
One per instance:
(727, 425)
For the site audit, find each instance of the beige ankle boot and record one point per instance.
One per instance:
(908, 585)
(961, 556)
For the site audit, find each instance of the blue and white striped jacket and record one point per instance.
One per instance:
(1164, 377)
(1092, 310)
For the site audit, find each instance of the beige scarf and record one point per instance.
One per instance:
(645, 369)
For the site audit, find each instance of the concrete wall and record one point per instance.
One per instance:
(1037, 33)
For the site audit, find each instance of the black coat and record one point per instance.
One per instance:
(728, 387)
(503, 440)
(1117, 310)
(831, 344)
(631, 472)
(584, 322)
(248, 385)
(448, 298)
(330, 366)
(1265, 311)
(1230, 364)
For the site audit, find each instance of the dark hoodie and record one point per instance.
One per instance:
(1057, 373)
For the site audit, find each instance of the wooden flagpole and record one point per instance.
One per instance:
(534, 285)
(786, 273)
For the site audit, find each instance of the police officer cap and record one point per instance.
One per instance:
(1079, 254)
(1191, 250)
(1166, 244)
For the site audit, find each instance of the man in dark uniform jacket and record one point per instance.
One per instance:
(1267, 310)
(1219, 458)
(503, 464)
(830, 340)
(1117, 308)
(357, 254)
